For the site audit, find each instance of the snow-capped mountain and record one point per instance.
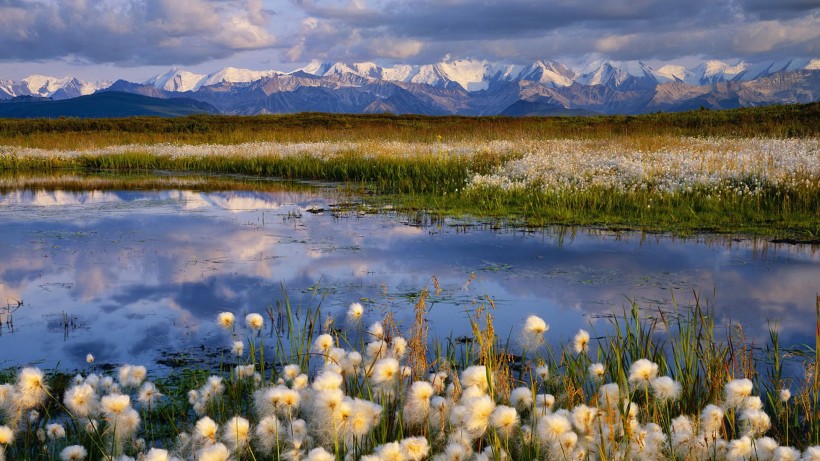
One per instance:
(180, 80)
(468, 87)
(49, 87)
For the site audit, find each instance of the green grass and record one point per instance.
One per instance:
(771, 121)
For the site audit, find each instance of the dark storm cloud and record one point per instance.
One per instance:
(164, 32)
(132, 32)
(426, 30)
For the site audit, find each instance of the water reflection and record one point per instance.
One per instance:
(127, 274)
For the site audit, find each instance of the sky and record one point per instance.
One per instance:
(136, 39)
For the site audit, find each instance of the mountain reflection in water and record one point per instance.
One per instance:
(125, 275)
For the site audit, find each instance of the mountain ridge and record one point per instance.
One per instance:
(465, 87)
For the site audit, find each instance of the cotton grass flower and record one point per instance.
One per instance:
(55, 431)
(216, 452)
(205, 430)
(475, 375)
(89, 358)
(115, 404)
(597, 371)
(505, 419)
(355, 312)
(581, 342)
(521, 398)
(81, 400)
(532, 334)
(31, 387)
(785, 395)
(73, 453)
(323, 344)
(787, 454)
(236, 433)
(254, 321)
(6, 435)
(226, 320)
(665, 389)
(415, 448)
(641, 372)
(238, 348)
(736, 391)
(550, 427)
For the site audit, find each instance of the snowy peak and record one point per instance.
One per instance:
(550, 73)
(49, 87)
(175, 80)
(619, 75)
(234, 75)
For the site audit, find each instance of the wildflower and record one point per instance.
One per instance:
(376, 330)
(73, 453)
(267, 433)
(31, 387)
(354, 312)
(254, 321)
(6, 435)
(81, 400)
(811, 454)
(226, 320)
(89, 358)
(544, 403)
(329, 380)
(323, 344)
(291, 371)
(521, 398)
(597, 371)
(390, 451)
(785, 395)
(158, 454)
(415, 448)
(551, 426)
(532, 335)
(320, 454)
(149, 394)
(786, 454)
(754, 422)
(581, 342)
(238, 348)
(300, 382)
(736, 392)
(244, 371)
(131, 375)
(216, 452)
(665, 389)
(55, 431)
(385, 370)
(236, 433)
(398, 347)
(115, 404)
(711, 419)
(583, 417)
(543, 372)
(641, 372)
(505, 419)
(610, 394)
(475, 376)
(764, 448)
(206, 430)
(739, 449)
(125, 424)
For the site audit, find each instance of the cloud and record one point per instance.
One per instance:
(132, 32)
(424, 31)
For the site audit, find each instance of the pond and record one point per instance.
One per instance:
(132, 276)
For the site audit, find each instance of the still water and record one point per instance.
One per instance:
(132, 275)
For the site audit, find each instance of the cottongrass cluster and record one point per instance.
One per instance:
(371, 403)
(714, 165)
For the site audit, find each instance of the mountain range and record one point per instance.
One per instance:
(465, 87)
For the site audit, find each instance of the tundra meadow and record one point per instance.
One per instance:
(296, 383)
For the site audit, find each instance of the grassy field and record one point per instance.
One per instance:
(295, 384)
(747, 171)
